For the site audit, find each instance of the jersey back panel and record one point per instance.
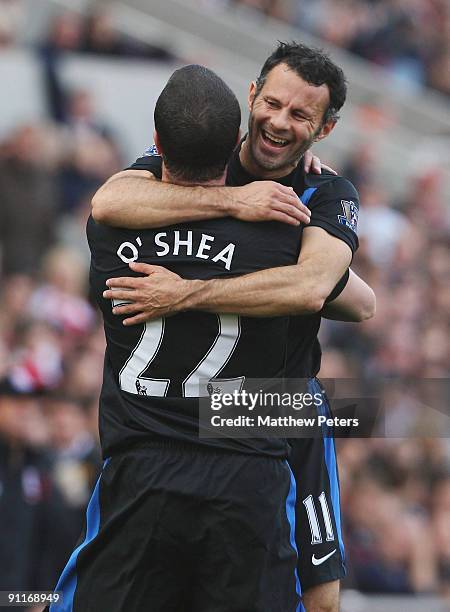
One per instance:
(154, 373)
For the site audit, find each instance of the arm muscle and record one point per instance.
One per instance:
(136, 200)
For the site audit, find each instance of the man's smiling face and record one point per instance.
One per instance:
(285, 119)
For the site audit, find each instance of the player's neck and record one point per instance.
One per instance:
(168, 178)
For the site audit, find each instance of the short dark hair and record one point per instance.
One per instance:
(197, 118)
(312, 65)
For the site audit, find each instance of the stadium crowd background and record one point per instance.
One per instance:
(395, 492)
(410, 38)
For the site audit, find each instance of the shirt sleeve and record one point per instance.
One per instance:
(335, 208)
(150, 161)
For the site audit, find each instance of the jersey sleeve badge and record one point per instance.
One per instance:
(151, 151)
(350, 216)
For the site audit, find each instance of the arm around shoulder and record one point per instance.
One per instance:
(123, 195)
(135, 199)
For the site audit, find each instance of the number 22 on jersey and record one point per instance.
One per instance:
(201, 381)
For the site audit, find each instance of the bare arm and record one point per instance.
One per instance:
(136, 199)
(124, 201)
(356, 303)
(297, 289)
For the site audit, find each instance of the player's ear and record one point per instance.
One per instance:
(239, 136)
(251, 95)
(157, 142)
(326, 129)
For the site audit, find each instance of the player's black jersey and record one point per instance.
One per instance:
(334, 205)
(154, 373)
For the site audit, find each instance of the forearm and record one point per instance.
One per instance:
(273, 292)
(134, 199)
(356, 303)
(289, 290)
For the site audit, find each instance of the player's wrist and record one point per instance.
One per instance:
(228, 201)
(192, 295)
(213, 202)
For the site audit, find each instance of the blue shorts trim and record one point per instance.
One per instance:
(290, 513)
(67, 582)
(330, 460)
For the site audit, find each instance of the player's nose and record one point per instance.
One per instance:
(279, 121)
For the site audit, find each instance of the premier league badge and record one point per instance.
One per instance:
(151, 152)
(350, 216)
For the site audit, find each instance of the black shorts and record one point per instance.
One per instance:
(178, 529)
(321, 555)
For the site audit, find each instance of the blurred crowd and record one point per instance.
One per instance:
(395, 496)
(410, 38)
(51, 340)
(395, 491)
(51, 347)
(97, 34)
(69, 31)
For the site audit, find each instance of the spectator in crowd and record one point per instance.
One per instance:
(65, 33)
(96, 34)
(60, 299)
(91, 152)
(75, 461)
(30, 506)
(29, 200)
(102, 37)
(381, 225)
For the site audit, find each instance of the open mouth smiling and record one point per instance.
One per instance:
(272, 140)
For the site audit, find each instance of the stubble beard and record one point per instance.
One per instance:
(271, 165)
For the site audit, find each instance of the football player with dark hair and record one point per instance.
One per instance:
(177, 521)
(294, 102)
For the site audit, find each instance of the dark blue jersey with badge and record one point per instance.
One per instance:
(154, 373)
(334, 204)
